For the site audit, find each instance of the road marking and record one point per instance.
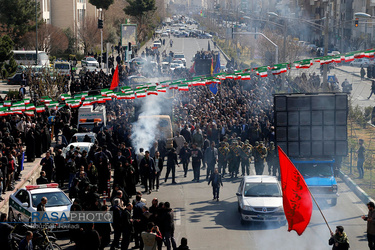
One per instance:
(178, 217)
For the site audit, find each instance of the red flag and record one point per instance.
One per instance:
(115, 79)
(192, 69)
(297, 200)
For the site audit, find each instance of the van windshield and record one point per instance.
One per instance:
(62, 66)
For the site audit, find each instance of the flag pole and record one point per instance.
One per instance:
(319, 210)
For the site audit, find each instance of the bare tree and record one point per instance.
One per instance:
(50, 39)
(89, 34)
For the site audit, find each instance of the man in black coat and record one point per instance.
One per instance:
(158, 160)
(147, 168)
(171, 165)
(167, 221)
(127, 226)
(61, 171)
(47, 166)
(42, 178)
(30, 145)
(215, 179)
(185, 157)
(211, 157)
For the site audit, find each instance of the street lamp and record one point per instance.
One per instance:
(363, 15)
(285, 31)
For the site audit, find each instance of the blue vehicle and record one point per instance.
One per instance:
(319, 177)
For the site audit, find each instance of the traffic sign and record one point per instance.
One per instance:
(331, 79)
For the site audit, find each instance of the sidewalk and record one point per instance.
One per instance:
(29, 173)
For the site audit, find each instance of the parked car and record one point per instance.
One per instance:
(361, 62)
(16, 79)
(260, 199)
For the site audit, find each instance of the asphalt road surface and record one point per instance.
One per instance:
(209, 224)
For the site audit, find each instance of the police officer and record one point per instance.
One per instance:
(272, 159)
(260, 153)
(222, 157)
(246, 158)
(234, 159)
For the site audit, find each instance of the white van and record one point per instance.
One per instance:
(62, 68)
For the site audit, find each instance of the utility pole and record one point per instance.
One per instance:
(36, 31)
(101, 38)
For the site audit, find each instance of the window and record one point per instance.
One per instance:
(54, 199)
(23, 196)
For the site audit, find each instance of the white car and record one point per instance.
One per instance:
(157, 44)
(260, 199)
(81, 136)
(90, 61)
(361, 62)
(81, 145)
(24, 201)
(181, 57)
(164, 34)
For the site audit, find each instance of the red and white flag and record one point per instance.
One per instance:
(297, 199)
(115, 79)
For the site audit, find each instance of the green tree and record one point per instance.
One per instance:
(6, 46)
(140, 10)
(104, 4)
(17, 17)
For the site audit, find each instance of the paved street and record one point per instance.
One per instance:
(210, 224)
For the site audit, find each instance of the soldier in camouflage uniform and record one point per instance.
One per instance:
(233, 158)
(246, 158)
(272, 159)
(260, 153)
(223, 152)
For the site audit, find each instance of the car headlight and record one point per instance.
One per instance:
(247, 208)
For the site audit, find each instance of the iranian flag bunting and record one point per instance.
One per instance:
(277, 69)
(65, 97)
(359, 54)
(52, 104)
(7, 103)
(40, 109)
(245, 76)
(262, 71)
(30, 107)
(161, 89)
(140, 93)
(369, 53)
(26, 101)
(183, 87)
(130, 95)
(349, 57)
(152, 91)
(45, 99)
(29, 113)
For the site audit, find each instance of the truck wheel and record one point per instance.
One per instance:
(334, 201)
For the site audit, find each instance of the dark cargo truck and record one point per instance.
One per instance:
(312, 130)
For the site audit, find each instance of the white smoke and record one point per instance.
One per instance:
(145, 130)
